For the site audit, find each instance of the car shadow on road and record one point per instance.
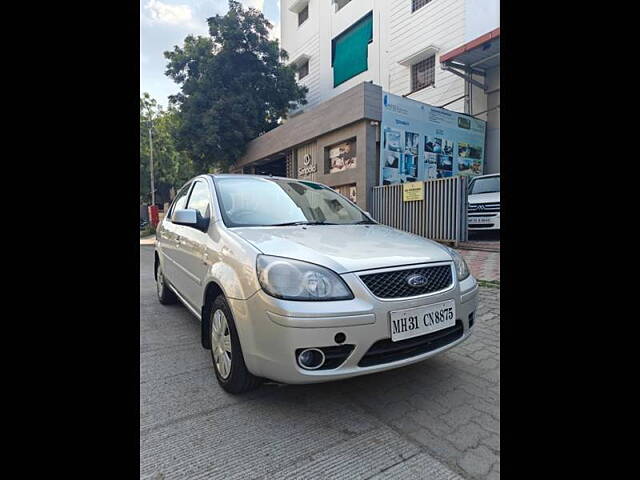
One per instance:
(373, 390)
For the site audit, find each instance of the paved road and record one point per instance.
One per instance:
(438, 419)
(483, 265)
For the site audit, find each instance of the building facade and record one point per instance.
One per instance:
(336, 143)
(444, 53)
(392, 43)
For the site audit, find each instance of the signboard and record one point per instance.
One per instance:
(421, 142)
(412, 191)
(307, 169)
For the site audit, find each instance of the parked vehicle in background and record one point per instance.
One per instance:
(484, 202)
(294, 283)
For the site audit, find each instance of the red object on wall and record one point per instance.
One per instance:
(154, 218)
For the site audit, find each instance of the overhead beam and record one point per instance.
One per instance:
(463, 67)
(464, 76)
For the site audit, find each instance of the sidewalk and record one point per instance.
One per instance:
(489, 246)
(484, 265)
(150, 240)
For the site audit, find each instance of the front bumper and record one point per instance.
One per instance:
(271, 330)
(491, 221)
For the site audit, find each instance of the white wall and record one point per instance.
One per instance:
(397, 33)
(492, 160)
(440, 23)
(314, 37)
(303, 40)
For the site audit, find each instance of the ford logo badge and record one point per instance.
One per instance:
(416, 280)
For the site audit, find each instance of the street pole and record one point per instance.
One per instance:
(153, 189)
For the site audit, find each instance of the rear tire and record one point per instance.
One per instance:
(165, 294)
(226, 353)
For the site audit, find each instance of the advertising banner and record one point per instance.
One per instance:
(421, 142)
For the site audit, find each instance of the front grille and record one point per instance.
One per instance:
(386, 351)
(484, 207)
(394, 284)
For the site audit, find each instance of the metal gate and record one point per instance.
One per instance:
(441, 216)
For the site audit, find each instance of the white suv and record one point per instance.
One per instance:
(484, 202)
(294, 283)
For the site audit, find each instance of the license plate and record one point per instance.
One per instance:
(414, 322)
(480, 220)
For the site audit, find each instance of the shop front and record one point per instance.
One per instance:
(364, 138)
(336, 143)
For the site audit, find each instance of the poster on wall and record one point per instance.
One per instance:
(348, 191)
(342, 157)
(421, 142)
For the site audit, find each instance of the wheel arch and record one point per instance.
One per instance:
(211, 291)
(156, 263)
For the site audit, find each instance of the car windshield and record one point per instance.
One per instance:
(485, 185)
(255, 201)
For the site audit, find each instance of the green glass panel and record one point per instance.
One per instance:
(350, 51)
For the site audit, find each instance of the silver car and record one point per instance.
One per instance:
(294, 283)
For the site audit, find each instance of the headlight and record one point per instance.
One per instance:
(461, 266)
(295, 280)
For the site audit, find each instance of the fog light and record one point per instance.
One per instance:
(311, 358)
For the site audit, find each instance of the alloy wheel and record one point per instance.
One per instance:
(221, 343)
(160, 282)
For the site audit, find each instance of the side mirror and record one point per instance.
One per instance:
(188, 217)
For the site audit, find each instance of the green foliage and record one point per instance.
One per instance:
(171, 165)
(234, 87)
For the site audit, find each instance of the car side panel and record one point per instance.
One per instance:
(194, 259)
(167, 250)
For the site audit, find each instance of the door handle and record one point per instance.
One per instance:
(177, 238)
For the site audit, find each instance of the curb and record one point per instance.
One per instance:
(478, 249)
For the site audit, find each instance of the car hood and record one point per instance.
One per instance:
(485, 198)
(345, 248)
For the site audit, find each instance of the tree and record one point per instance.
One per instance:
(235, 86)
(171, 166)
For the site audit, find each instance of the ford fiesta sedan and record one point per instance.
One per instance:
(294, 283)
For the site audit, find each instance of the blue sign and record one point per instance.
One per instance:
(421, 142)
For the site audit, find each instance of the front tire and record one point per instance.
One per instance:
(226, 353)
(165, 294)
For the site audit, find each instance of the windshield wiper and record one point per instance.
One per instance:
(287, 224)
